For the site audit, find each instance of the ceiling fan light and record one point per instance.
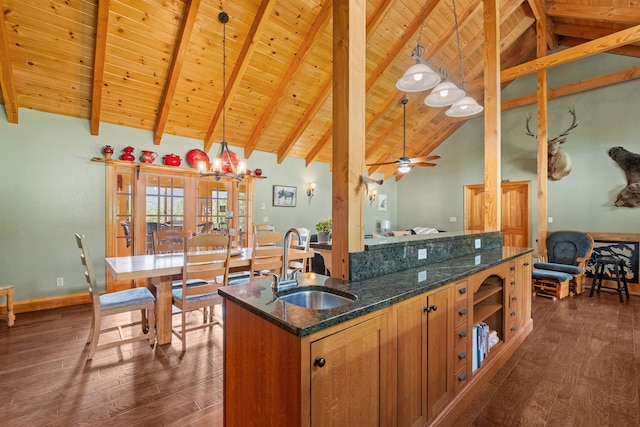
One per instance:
(446, 93)
(419, 77)
(404, 168)
(466, 107)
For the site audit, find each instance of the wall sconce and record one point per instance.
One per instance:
(373, 195)
(311, 190)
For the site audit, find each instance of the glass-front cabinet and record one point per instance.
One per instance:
(144, 198)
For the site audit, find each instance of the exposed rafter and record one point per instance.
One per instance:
(102, 23)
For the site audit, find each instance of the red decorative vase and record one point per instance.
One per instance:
(128, 154)
(172, 160)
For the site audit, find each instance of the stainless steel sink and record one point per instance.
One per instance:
(316, 297)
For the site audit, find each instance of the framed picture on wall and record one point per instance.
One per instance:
(382, 202)
(284, 195)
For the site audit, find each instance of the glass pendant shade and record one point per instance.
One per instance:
(446, 93)
(418, 77)
(404, 168)
(467, 106)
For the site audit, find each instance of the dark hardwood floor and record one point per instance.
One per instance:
(579, 367)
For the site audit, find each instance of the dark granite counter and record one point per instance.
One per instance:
(373, 293)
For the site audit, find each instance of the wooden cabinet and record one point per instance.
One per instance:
(348, 363)
(425, 367)
(407, 365)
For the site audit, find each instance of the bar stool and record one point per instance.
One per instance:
(7, 290)
(617, 269)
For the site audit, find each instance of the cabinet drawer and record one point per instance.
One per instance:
(461, 379)
(461, 357)
(461, 337)
(461, 291)
(461, 313)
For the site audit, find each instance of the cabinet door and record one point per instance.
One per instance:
(411, 330)
(348, 376)
(439, 351)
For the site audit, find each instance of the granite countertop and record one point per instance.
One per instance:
(373, 294)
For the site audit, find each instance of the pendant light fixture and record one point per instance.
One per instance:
(425, 75)
(224, 164)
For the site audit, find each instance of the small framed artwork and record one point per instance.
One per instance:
(284, 195)
(382, 202)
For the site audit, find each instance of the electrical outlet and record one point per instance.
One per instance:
(59, 281)
(452, 219)
(265, 219)
(478, 259)
(422, 254)
(422, 276)
(478, 243)
(550, 219)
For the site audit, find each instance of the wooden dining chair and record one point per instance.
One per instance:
(303, 244)
(128, 300)
(266, 256)
(206, 258)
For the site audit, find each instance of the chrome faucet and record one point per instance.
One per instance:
(285, 258)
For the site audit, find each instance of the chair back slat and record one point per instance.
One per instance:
(89, 273)
(266, 255)
(169, 241)
(206, 257)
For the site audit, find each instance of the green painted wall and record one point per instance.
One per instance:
(582, 200)
(50, 190)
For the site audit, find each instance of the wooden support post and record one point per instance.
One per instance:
(543, 160)
(492, 150)
(349, 47)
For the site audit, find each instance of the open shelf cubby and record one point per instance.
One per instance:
(488, 304)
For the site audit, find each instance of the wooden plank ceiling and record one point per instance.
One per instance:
(158, 65)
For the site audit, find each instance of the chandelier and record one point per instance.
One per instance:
(225, 163)
(425, 75)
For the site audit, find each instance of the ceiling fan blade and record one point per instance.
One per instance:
(423, 159)
(382, 164)
(424, 164)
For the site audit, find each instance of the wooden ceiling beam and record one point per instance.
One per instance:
(540, 14)
(622, 15)
(580, 86)
(304, 121)
(7, 83)
(175, 68)
(102, 24)
(603, 44)
(628, 50)
(319, 24)
(264, 12)
(317, 148)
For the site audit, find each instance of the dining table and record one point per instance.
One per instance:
(162, 269)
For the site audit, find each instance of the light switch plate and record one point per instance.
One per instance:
(265, 219)
(263, 206)
(452, 219)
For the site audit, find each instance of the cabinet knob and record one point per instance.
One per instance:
(463, 312)
(514, 298)
(513, 329)
(462, 377)
(513, 313)
(513, 282)
(431, 308)
(462, 291)
(526, 264)
(320, 362)
(512, 268)
(462, 355)
(463, 333)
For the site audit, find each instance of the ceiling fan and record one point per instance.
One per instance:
(405, 163)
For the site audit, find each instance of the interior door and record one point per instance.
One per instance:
(516, 211)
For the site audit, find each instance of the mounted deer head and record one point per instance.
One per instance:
(559, 163)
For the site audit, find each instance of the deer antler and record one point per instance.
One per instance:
(528, 130)
(574, 123)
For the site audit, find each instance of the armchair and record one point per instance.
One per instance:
(563, 264)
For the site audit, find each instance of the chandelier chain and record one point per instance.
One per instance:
(419, 50)
(455, 20)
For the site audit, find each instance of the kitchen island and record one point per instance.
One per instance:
(399, 354)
